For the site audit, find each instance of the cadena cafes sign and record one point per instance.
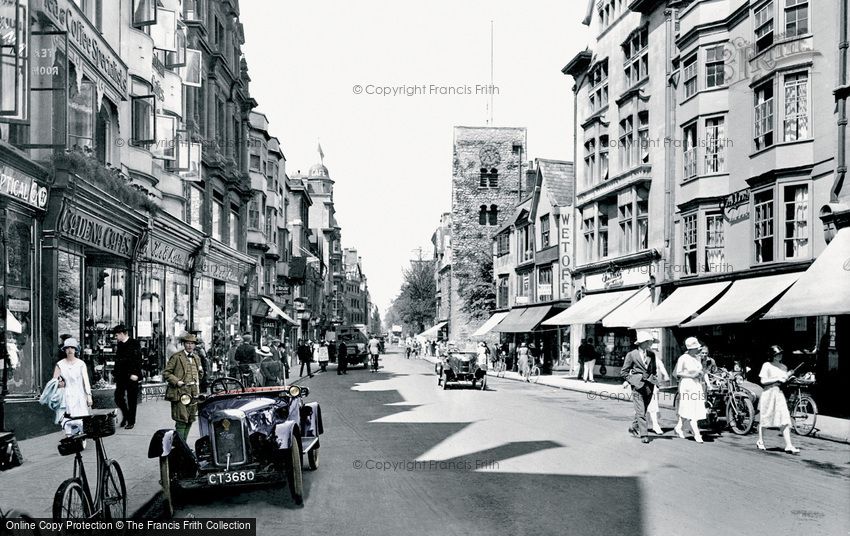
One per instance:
(22, 187)
(95, 232)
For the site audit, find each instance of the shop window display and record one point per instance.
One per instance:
(105, 306)
(149, 328)
(69, 294)
(18, 305)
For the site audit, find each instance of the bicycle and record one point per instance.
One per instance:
(532, 372)
(802, 406)
(73, 498)
(499, 367)
(374, 363)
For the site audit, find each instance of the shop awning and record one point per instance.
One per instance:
(591, 309)
(743, 300)
(680, 305)
(525, 320)
(822, 289)
(432, 331)
(489, 324)
(277, 311)
(638, 306)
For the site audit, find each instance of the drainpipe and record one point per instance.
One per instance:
(841, 94)
(669, 136)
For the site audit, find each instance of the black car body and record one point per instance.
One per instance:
(248, 436)
(356, 342)
(460, 367)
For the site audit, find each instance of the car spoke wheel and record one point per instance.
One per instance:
(313, 459)
(70, 501)
(114, 492)
(223, 385)
(293, 473)
(804, 415)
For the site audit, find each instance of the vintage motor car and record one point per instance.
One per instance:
(248, 436)
(461, 367)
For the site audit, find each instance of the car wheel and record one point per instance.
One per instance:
(313, 459)
(483, 385)
(293, 474)
(445, 384)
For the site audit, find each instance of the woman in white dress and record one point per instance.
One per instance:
(691, 393)
(773, 408)
(74, 377)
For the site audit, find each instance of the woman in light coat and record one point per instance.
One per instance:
(73, 376)
(773, 407)
(691, 394)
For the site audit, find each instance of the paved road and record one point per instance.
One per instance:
(400, 456)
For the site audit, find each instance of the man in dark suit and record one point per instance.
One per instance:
(342, 358)
(639, 370)
(128, 375)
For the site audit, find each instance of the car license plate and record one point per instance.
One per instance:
(232, 477)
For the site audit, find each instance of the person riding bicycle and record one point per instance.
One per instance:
(374, 350)
(246, 359)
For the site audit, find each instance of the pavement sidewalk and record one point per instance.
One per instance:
(830, 428)
(31, 486)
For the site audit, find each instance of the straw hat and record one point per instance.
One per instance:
(188, 337)
(643, 336)
(264, 351)
(70, 342)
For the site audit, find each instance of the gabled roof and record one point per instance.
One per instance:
(520, 214)
(560, 180)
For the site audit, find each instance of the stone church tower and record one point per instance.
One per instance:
(487, 174)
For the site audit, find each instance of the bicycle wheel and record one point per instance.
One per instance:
(534, 374)
(114, 492)
(223, 385)
(70, 501)
(804, 415)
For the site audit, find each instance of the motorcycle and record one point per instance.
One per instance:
(727, 400)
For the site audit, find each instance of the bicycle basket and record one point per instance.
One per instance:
(99, 425)
(70, 445)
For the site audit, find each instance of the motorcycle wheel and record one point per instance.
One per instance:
(740, 414)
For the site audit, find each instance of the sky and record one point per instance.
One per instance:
(318, 70)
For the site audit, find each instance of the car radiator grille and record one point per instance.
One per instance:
(229, 439)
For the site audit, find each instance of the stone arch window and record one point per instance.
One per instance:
(482, 215)
(494, 215)
(488, 178)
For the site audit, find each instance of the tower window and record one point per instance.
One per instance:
(489, 178)
(494, 214)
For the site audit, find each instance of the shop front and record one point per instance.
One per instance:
(523, 325)
(610, 302)
(221, 309)
(23, 201)
(164, 290)
(270, 321)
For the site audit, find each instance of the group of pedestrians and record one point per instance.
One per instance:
(644, 371)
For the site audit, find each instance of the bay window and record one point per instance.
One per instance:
(714, 260)
(642, 208)
(796, 17)
(763, 231)
(589, 229)
(636, 55)
(796, 122)
(764, 115)
(690, 74)
(143, 122)
(144, 13)
(689, 243)
(714, 66)
(602, 233)
(627, 143)
(81, 114)
(763, 26)
(590, 162)
(796, 219)
(603, 158)
(14, 57)
(643, 137)
(254, 206)
(624, 217)
(715, 147)
(689, 146)
(599, 86)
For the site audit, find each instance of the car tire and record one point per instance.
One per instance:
(293, 473)
(313, 459)
(446, 384)
(483, 385)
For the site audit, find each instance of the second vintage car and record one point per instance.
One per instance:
(248, 436)
(460, 367)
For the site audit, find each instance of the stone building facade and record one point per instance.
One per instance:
(487, 183)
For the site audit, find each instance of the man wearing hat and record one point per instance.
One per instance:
(639, 369)
(270, 367)
(183, 373)
(128, 374)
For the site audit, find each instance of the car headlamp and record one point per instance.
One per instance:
(185, 399)
(294, 391)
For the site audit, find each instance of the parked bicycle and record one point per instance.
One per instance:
(74, 498)
(532, 372)
(801, 404)
(499, 366)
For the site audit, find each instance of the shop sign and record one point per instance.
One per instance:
(231, 273)
(88, 41)
(22, 187)
(18, 306)
(96, 232)
(164, 253)
(736, 206)
(613, 278)
(544, 289)
(521, 300)
(617, 277)
(566, 255)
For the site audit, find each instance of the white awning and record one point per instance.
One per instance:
(591, 309)
(489, 324)
(638, 306)
(432, 331)
(278, 311)
(824, 288)
(679, 306)
(744, 299)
